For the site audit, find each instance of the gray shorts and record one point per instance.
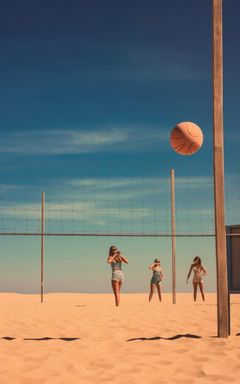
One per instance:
(118, 276)
(156, 280)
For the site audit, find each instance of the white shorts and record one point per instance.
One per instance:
(118, 276)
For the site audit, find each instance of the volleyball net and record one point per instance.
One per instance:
(116, 207)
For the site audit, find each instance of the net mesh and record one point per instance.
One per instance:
(123, 206)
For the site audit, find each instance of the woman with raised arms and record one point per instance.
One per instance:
(115, 258)
(156, 279)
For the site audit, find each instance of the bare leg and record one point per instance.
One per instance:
(195, 291)
(120, 285)
(116, 291)
(159, 292)
(201, 290)
(152, 286)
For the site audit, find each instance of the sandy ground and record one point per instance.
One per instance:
(84, 338)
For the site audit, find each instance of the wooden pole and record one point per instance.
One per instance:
(42, 244)
(218, 170)
(173, 225)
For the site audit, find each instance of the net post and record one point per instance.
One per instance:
(218, 170)
(42, 242)
(173, 227)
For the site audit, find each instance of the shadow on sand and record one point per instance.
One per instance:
(186, 335)
(43, 338)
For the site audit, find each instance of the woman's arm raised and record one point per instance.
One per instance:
(110, 259)
(124, 259)
(151, 266)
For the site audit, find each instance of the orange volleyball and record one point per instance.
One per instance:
(186, 138)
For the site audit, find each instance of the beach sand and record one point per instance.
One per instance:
(84, 338)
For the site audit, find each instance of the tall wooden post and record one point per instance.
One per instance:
(42, 243)
(218, 170)
(173, 226)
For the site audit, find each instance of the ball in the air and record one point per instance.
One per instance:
(186, 138)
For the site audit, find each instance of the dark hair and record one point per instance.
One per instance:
(112, 250)
(197, 258)
(156, 261)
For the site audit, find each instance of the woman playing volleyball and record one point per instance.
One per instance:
(198, 272)
(156, 279)
(115, 259)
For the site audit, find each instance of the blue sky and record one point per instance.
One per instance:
(89, 93)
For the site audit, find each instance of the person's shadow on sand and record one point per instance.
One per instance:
(187, 335)
(43, 338)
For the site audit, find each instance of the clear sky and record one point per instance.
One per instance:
(90, 91)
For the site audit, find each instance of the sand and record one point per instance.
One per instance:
(84, 338)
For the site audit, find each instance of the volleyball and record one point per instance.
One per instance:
(186, 138)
